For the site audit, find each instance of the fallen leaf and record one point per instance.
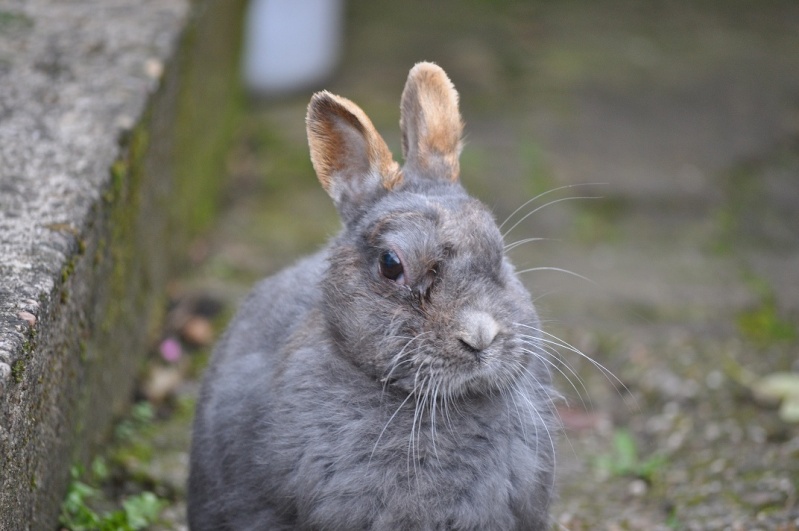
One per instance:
(789, 410)
(779, 388)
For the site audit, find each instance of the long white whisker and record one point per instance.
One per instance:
(612, 378)
(413, 445)
(536, 342)
(511, 246)
(434, 399)
(518, 414)
(566, 376)
(543, 423)
(374, 448)
(545, 268)
(533, 211)
(395, 361)
(542, 195)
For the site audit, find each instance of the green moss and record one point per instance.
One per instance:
(119, 174)
(208, 111)
(534, 167)
(14, 21)
(764, 324)
(83, 351)
(67, 271)
(99, 252)
(17, 371)
(161, 190)
(597, 220)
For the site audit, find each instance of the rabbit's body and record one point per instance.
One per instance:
(392, 380)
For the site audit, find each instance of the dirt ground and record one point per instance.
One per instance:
(675, 127)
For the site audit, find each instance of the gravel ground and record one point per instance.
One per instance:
(687, 115)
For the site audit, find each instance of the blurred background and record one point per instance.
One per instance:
(663, 138)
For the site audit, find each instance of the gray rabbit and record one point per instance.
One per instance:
(395, 379)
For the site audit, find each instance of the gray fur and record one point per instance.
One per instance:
(339, 399)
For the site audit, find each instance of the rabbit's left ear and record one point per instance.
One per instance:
(351, 159)
(431, 123)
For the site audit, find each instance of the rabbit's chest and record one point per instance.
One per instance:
(388, 469)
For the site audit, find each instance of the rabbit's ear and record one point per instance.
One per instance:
(430, 122)
(350, 157)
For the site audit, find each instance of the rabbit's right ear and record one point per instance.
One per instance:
(431, 123)
(351, 159)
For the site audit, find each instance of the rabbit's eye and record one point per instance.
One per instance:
(390, 266)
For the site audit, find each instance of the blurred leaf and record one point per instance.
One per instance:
(626, 451)
(777, 386)
(624, 460)
(789, 410)
(143, 509)
(780, 387)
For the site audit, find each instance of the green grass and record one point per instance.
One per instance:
(90, 504)
(764, 324)
(137, 511)
(624, 460)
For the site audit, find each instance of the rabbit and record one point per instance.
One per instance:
(395, 379)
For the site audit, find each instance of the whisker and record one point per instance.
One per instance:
(395, 361)
(511, 246)
(434, 399)
(533, 211)
(545, 268)
(568, 379)
(518, 415)
(540, 196)
(418, 412)
(556, 341)
(374, 448)
(544, 425)
(558, 419)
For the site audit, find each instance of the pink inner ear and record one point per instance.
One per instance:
(348, 149)
(347, 152)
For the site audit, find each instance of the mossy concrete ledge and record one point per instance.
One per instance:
(114, 119)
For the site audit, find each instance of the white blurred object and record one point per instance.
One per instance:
(291, 44)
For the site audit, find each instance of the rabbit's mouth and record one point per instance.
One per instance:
(464, 373)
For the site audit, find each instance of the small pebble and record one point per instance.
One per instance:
(718, 466)
(28, 318)
(712, 431)
(153, 68)
(197, 331)
(125, 122)
(638, 488)
(760, 500)
(714, 380)
(161, 382)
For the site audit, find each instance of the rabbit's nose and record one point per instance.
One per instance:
(478, 330)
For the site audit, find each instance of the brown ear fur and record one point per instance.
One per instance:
(345, 146)
(430, 122)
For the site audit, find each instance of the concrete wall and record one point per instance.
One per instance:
(114, 119)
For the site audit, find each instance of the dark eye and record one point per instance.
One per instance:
(390, 266)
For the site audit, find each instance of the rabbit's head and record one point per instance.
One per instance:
(418, 292)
